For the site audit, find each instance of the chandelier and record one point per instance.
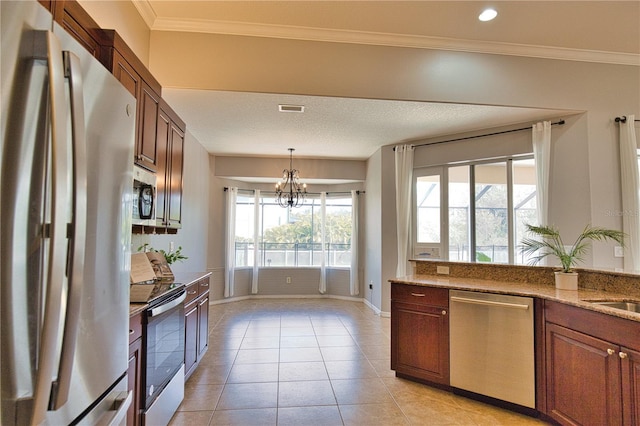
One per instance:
(289, 191)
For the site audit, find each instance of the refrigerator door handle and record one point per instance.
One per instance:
(75, 279)
(57, 230)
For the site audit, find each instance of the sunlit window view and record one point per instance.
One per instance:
(524, 202)
(492, 237)
(459, 213)
(498, 228)
(292, 237)
(428, 211)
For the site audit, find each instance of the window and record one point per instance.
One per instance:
(488, 205)
(292, 237)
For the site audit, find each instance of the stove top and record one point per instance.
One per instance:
(153, 293)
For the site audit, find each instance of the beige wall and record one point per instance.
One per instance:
(195, 212)
(123, 17)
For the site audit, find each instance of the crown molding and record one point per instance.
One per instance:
(146, 12)
(384, 39)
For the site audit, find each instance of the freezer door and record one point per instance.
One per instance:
(101, 348)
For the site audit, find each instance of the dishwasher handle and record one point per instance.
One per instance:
(489, 303)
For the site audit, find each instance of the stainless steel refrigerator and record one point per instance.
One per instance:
(65, 221)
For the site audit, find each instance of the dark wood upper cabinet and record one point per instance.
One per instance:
(73, 18)
(170, 149)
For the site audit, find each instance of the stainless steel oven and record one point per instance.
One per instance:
(164, 357)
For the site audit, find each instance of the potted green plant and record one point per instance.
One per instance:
(171, 256)
(550, 243)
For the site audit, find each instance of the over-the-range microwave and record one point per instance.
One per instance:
(144, 197)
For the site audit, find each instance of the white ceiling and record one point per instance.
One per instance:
(236, 123)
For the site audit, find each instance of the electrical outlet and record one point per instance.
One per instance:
(171, 247)
(444, 270)
(288, 280)
(618, 251)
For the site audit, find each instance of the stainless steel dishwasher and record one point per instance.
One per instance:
(491, 345)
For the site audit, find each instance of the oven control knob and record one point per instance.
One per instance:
(150, 390)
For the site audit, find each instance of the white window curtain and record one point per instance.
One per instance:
(256, 241)
(323, 249)
(354, 285)
(630, 197)
(542, 155)
(404, 182)
(230, 242)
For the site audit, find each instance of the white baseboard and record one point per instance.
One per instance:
(301, 296)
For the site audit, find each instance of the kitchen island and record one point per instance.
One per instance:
(586, 355)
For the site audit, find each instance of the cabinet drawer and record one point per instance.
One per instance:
(192, 293)
(135, 327)
(420, 295)
(203, 286)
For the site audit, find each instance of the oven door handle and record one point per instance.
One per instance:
(169, 305)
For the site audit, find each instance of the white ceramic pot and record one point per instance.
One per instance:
(566, 280)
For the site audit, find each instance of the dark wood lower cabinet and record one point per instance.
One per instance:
(420, 333)
(583, 378)
(592, 367)
(196, 321)
(630, 386)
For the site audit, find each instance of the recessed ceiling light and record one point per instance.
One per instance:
(487, 15)
(291, 108)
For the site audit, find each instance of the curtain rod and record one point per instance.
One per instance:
(558, 123)
(311, 193)
(623, 119)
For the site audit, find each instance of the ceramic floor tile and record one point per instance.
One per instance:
(253, 373)
(325, 383)
(272, 342)
(341, 353)
(388, 414)
(361, 391)
(298, 394)
(253, 356)
(209, 375)
(200, 397)
(350, 370)
(326, 341)
(300, 371)
(316, 416)
(297, 331)
(249, 417)
(298, 342)
(300, 354)
(248, 395)
(191, 418)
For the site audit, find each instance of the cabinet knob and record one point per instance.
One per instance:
(131, 332)
(192, 292)
(444, 312)
(622, 355)
(611, 351)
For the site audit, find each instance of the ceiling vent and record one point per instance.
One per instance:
(291, 108)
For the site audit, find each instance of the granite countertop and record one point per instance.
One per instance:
(578, 298)
(184, 279)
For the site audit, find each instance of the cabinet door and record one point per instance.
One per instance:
(126, 75)
(163, 163)
(146, 150)
(583, 378)
(134, 372)
(190, 339)
(203, 325)
(630, 386)
(174, 176)
(420, 341)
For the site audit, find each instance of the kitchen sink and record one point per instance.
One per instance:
(626, 306)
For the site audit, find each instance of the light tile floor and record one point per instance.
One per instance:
(314, 362)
